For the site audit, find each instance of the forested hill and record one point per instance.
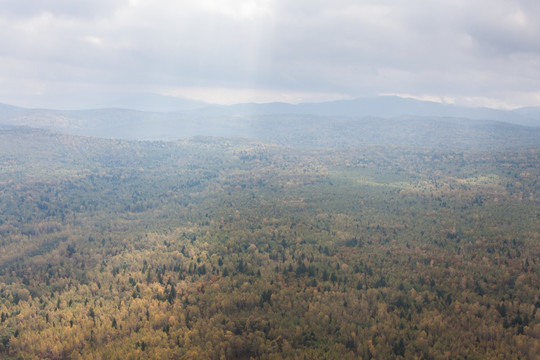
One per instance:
(220, 248)
(306, 131)
(387, 107)
(343, 132)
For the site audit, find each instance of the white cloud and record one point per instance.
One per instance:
(238, 9)
(228, 96)
(445, 49)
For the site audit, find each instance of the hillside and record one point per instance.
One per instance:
(232, 248)
(382, 107)
(298, 130)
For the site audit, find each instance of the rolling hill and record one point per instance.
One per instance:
(381, 121)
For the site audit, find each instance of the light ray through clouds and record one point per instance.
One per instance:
(65, 54)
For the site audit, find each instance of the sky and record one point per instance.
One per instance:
(69, 54)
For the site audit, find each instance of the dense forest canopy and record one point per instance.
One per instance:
(227, 248)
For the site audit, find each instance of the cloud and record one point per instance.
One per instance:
(443, 49)
(80, 9)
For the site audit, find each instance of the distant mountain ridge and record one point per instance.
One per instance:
(382, 106)
(360, 122)
(385, 107)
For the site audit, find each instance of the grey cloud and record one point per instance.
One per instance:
(445, 48)
(76, 9)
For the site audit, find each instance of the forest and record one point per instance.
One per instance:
(231, 248)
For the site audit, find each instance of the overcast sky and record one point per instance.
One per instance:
(89, 53)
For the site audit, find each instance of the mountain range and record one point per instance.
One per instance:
(383, 120)
(384, 107)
